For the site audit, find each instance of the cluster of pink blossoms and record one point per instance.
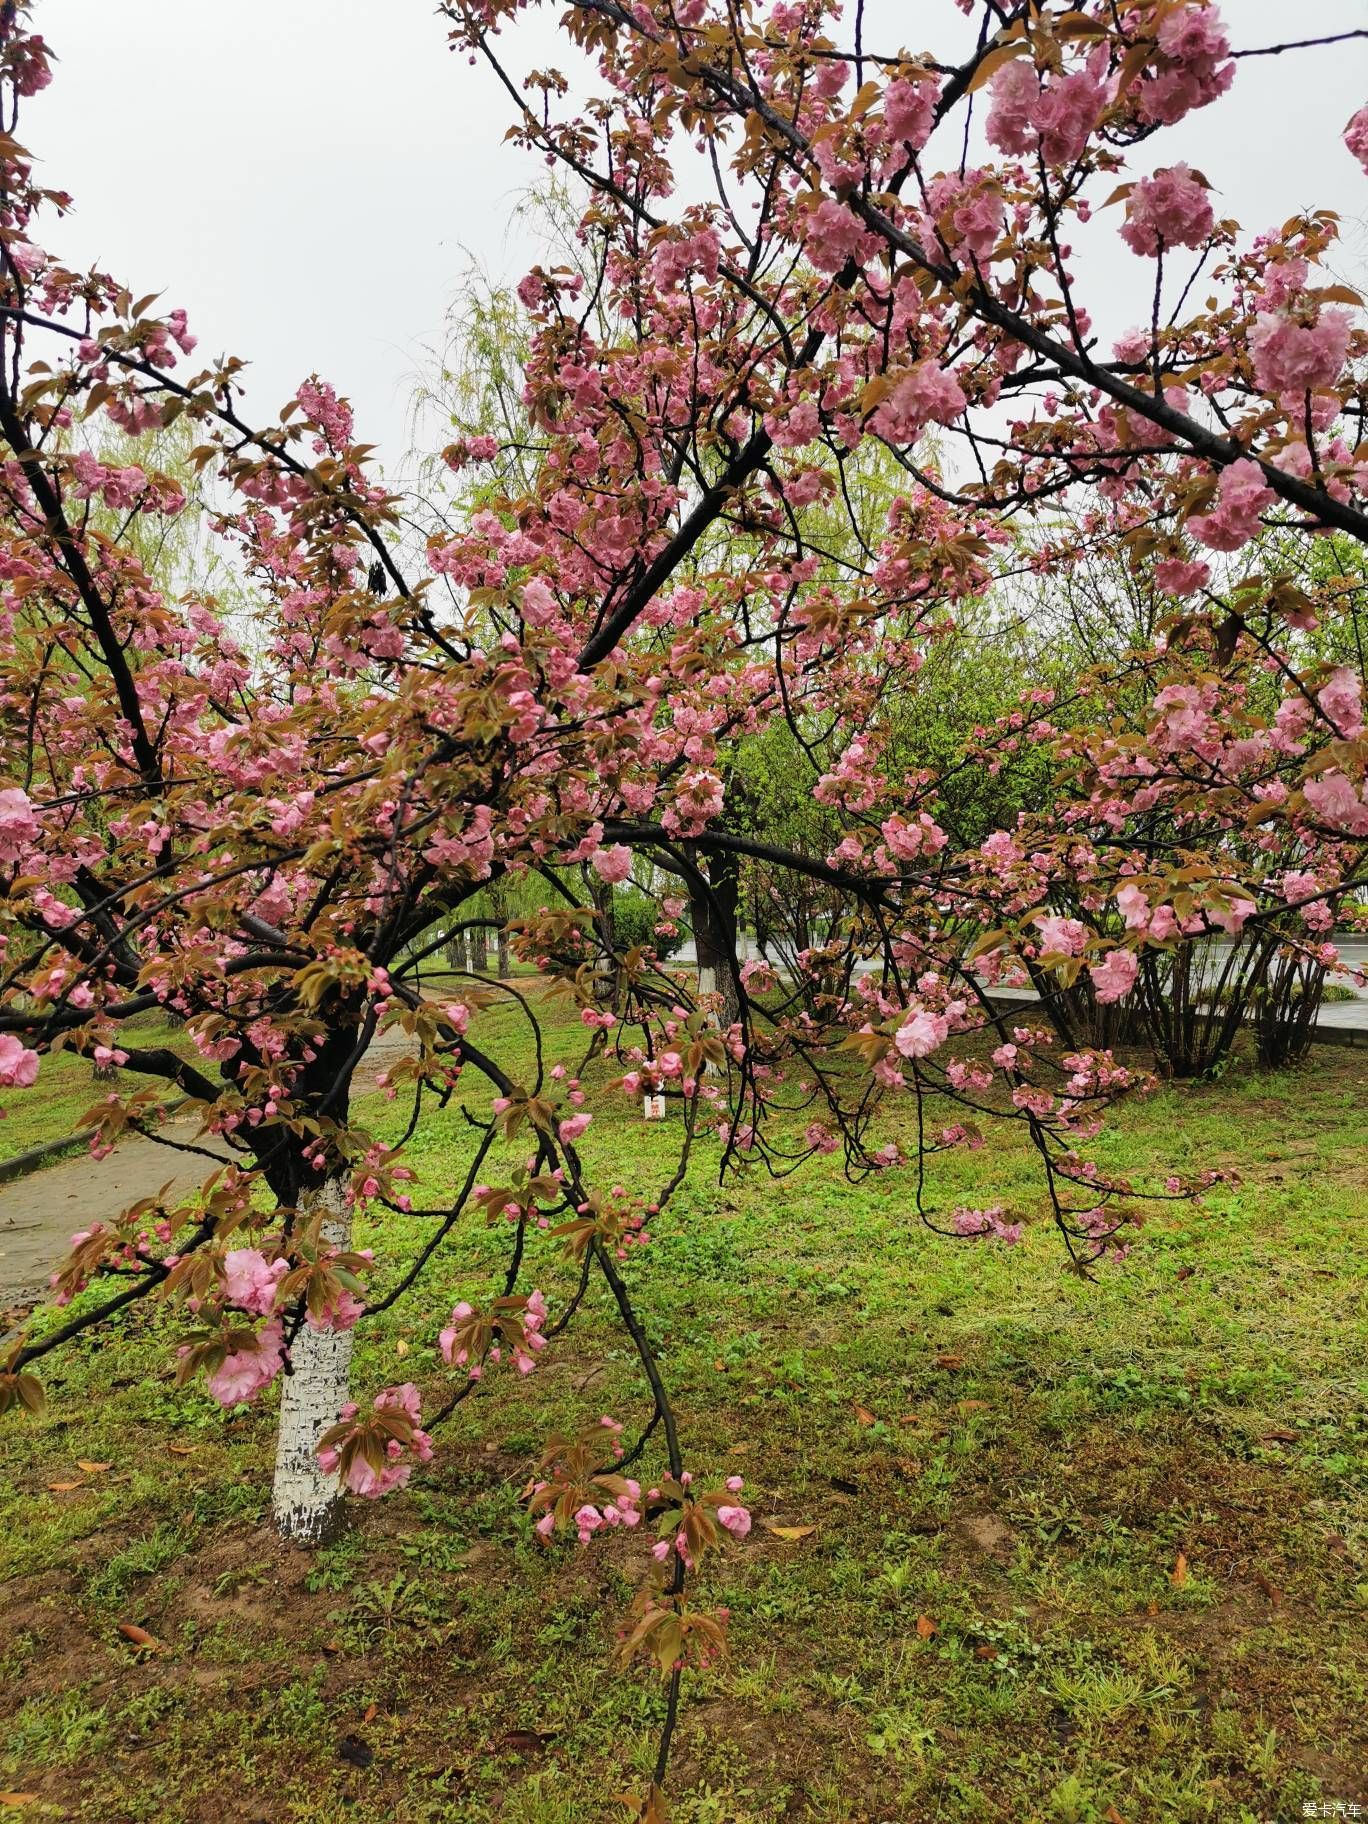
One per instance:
(244, 1373)
(1055, 118)
(250, 1280)
(1114, 977)
(731, 1516)
(1170, 209)
(466, 1341)
(986, 1222)
(363, 1476)
(1242, 495)
(1193, 66)
(1293, 357)
(18, 825)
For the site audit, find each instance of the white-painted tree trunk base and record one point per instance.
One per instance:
(707, 980)
(306, 1503)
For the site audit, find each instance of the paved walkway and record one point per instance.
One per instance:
(39, 1214)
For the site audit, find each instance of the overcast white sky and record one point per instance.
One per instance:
(310, 178)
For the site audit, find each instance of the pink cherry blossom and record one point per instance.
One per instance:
(1356, 137)
(737, 1520)
(922, 1034)
(1114, 977)
(1055, 119)
(242, 1375)
(928, 395)
(1190, 73)
(364, 1478)
(1341, 698)
(1179, 576)
(613, 864)
(1290, 357)
(986, 1222)
(1334, 799)
(341, 1312)
(18, 1066)
(18, 825)
(910, 110)
(1065, 936)
(1134, 907)
(250, 1280)
(1241, 496)
(1231, 916)
(1170, 209)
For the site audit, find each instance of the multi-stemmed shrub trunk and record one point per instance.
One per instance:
(1079, 1019)
(1286, 1008)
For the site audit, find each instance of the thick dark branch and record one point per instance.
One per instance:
(73, 559)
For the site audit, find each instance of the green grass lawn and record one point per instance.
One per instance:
(67, 1089)
(1077, 1551)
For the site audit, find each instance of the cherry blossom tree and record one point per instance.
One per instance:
(802, 264)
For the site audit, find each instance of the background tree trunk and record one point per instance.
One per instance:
(306, 1503)
(505, 959)
(713, 916)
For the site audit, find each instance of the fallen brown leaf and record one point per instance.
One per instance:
(63, 1488)
(1280, 1436)
(950, 1361)
(985, 1652)
(140, 1637)
(181, 1450)
(92, 1469)
(787, 1532)
(971, 1405)
(17, 1798)
(525, 1741)
(1178, 1576)
(926, 1627)
(863, 1416)
(1112, 1816)
(1270, 1589)
(372, 1711)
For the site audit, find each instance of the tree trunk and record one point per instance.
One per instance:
(605, 969)
(308, 1504)
(713, 916)
(505, 960)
